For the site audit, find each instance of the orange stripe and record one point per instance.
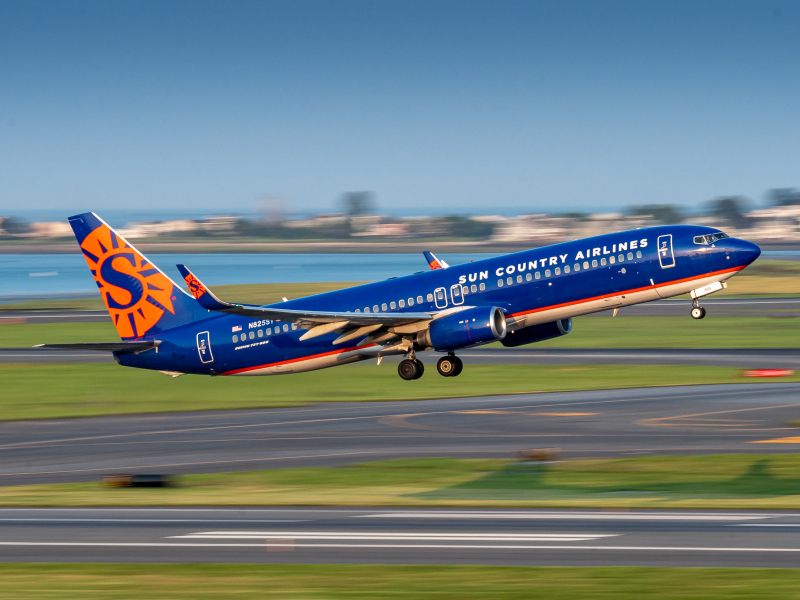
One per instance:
(631, 291)
(294, 360)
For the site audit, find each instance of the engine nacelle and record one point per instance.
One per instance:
(538, 333)
(465, 328)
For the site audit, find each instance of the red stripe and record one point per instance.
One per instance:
(631, 291)
(294, 360)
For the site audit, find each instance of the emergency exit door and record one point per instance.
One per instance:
(204, 347)
(665, 254)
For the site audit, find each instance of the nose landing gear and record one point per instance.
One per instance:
(450, 366)
(698, 312)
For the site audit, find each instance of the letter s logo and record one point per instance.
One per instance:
(643, 243)
(112, 275)
(462, 279)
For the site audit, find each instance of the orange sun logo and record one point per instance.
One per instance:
(135, 292)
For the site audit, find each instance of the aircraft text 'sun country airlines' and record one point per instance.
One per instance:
(518, 299)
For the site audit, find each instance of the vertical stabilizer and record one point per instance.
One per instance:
(140, 298)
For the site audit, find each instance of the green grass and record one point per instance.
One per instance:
(587, 332)
(46, 391)
(336, 582)
(691, 482)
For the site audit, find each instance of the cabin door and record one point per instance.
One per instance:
(440, 296)
(665, 254)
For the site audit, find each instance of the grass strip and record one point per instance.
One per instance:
(47, 391)
(588, 332)
(690, 482)
(334, 582)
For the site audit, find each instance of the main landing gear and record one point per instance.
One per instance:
(411, 367)
(698, 312)
(450, 366)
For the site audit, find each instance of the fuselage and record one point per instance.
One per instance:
(531, 287)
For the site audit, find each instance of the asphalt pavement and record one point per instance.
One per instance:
(402, 536)
(711, 419)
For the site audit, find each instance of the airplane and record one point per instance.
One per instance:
(516, 299)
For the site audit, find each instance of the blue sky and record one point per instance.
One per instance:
(437, 107)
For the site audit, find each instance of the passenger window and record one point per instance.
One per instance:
(252, 335)
(439, 295)
(538, 275)
(519, 278)
(499, 283)
(603, 261)
(465, 290)
(638, 254)
(483, 286)
(474, 288)
(243, 337)
(429, 297)
(630, 255)
(235, 339)
(528, 277)
(411, 301)
(612, 260)
(547, 272)
(269, 331)
(558, 270)
(366, 309)
(392, 305)
(585, 264)
(594, 263)
(383, 307)
(457, 291)
(358, 310)
(510, 280)
(294, 326)
(621, 258)
(286, 328)
(375, 308)
(566, 269)
(402, 303)
(260, 333)
(577, 267)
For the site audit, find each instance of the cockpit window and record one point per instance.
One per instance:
(705, 240)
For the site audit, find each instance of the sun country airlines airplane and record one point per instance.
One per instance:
(517, 299)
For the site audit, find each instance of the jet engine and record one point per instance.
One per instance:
(465, 328)
(537, 333)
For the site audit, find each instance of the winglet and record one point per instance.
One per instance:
(433, 262)
(201, 293)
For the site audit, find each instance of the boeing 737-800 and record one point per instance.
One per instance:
(516, 299)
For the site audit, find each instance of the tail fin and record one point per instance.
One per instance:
(140, 298)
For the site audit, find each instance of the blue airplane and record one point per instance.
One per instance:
(517, 299)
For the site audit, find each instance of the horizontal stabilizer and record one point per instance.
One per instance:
(122, 347)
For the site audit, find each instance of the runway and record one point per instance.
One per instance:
(709, 419)
(402, 536)
(724, 307)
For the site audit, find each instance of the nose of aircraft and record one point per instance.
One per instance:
(746, 252)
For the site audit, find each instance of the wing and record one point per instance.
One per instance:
(318, 322)
(123, 347)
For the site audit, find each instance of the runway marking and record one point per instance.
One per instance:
(262, 545)
(602, 516)
(659, 421)
(380, 536)
(515, 412)
(785, 440)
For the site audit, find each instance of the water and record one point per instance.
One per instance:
(37, 276)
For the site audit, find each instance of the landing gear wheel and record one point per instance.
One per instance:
(447, 366)
(409, 369)
(459, 366)
(698, 312)
(420, 368)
